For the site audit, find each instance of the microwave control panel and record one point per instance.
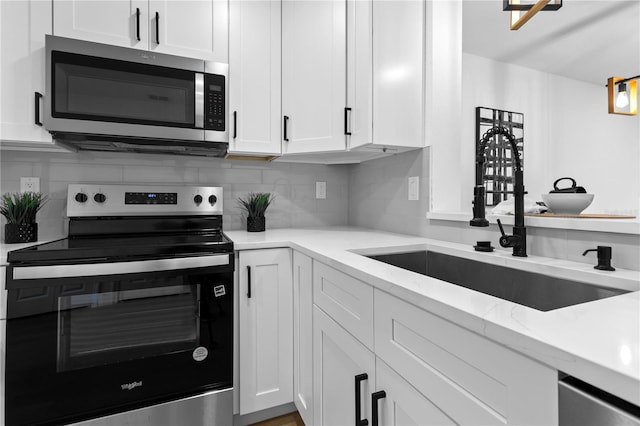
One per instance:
(214, 104)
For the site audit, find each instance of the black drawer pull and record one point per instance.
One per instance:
(375, 397)
(359, 420)
(249, 282)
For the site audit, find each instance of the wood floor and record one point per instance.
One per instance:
(292, 419)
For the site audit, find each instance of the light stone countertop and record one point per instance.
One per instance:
(598, 342)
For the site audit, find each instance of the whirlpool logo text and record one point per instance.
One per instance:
(132, 385)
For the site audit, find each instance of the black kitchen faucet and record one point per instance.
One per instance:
(519, 238)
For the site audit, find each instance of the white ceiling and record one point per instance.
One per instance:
(587, 40)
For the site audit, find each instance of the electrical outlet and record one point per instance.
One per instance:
(29, 184)
(321, 190)
(414, 188)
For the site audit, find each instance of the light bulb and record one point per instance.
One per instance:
(622, 100)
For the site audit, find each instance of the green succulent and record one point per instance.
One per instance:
(256, 203)
(21, 207)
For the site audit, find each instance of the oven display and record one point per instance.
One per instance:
(151, 198)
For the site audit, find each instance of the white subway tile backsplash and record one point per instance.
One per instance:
(160, 175)
(292, 184)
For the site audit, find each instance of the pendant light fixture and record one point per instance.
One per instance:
(521, 12)
(623, 95)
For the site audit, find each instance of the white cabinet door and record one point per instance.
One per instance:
(359, 72)
(386, 73)
(117, 22)
(303, 336)
(398, 72)
(402, 404)
(313, 75)
(338, 358)
(191, 28)
(266, 329)
(23, 25)
(470, 378)
(255, 83)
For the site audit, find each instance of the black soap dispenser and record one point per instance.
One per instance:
(604, 258)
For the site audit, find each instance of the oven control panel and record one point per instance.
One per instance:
(139, 200)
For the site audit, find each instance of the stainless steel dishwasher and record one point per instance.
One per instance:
(581, 404)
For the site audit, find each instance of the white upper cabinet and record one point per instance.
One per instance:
(255, 86)
(313, 75)
(118, 22)
(197, 29)
(353, 79)
(388, 99)
(194, 28)
(23, 25)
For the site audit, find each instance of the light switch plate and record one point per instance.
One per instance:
(414, 188)
(29, 184)
(321, 190)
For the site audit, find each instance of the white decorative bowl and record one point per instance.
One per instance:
(568, 203)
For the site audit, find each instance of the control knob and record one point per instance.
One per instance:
(197, 199)
(212, 199)
(99, 197)
(81, 197)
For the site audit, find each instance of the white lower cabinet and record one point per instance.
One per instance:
(303, 336)
(343, 370)
(402, 404)
(469, 378)
(265, 298)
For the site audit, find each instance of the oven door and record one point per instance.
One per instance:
(87, 340)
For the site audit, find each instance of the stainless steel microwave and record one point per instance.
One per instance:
(108, 98)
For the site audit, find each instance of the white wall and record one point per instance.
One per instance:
(293, 184)
(567, 132)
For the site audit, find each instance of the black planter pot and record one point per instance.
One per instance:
(20, 233)
(255, 223)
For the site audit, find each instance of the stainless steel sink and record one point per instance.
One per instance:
(537, 291)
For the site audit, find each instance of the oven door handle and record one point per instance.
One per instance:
(117, 268)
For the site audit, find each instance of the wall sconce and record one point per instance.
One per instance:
(522, 12)
(623, 95)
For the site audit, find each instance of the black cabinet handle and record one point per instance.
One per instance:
(374, 406)
(249, 282)
(157, 28)
(37, 98)
(359, 420)
(347, 110)
(138, 23)
(286, 120)
(235, 124)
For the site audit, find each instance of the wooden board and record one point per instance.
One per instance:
(583, 215)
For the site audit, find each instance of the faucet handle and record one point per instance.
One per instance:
(507, 240)
(501, 228)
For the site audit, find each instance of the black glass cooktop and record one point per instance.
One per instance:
(110, 248)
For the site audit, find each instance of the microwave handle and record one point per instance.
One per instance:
(117, 268)
(199, 101)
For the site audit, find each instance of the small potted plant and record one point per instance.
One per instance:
(20, 210)
(255, 204)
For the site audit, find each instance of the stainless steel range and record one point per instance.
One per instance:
(129, 320)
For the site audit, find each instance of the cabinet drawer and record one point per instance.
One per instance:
(471, 379)
(345, 299)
